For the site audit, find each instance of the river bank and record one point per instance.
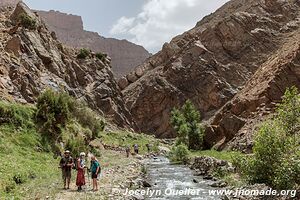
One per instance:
(204, 177)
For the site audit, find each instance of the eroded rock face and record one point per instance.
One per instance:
(32, 60)
(209, 64)
(69, 29)
(8, 2)
(258, 98)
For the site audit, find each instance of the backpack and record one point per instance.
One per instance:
(75, 165)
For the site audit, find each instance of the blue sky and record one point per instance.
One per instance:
(150, 23)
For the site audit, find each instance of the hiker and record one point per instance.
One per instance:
(127, 151)
(95, 169)
(80, 180)
(66, 164)
(136, 148)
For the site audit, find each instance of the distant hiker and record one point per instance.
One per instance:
(95, 169)
(80, 180)
(136, 148)
(148, 147)
(66, 164)
(127, 151)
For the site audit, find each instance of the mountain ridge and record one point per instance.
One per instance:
(32, 59)
(70, 30)
(209, 64)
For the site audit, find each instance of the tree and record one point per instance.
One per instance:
(288, 111)
(276, 152)
(186, 123)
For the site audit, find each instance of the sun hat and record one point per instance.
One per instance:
(82, 154)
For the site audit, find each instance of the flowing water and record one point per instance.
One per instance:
(176, 182)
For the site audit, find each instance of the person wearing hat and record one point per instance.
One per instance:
(66, 164)
(80, 180)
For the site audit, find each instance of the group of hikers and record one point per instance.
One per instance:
(67, 164)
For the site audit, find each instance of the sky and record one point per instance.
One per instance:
(149, 23)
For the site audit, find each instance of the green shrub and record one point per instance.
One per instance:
(89, 119)
(53, 112)
(287, 173)
(220, 172)
(101, 56)
(76, 145)
(186, 123)
(288, 111)
(17, 115)
(83, 53)
(179, 153)
(27, 22)
(276, 159)
(155, 147)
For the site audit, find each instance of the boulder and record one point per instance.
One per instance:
(139, 72)
(20, 9)
(97, 144)
(131, 77)
(205, 165)
(146, 184)
(123, 83)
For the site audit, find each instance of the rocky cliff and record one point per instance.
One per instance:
(69, 29)
(211, 64)
(8, 2)
(32, 59)
(233, 125)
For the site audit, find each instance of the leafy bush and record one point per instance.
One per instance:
(179, 153)
(16, 115)
(83, 53)
(27, 22)
(101, 56)
(61, 118)
(186, 123)
(53, 112)
(220, 172)
(288, 111)
(276, 159)
(155, 147)
(89, 119)
(76, 145)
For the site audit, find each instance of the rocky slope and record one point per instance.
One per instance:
(31, 59)
(69, 29)
(210, 64)
(8, 2)
(233, 125)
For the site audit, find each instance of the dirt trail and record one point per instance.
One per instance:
(118, 175)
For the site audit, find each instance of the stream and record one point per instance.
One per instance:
(176, 182)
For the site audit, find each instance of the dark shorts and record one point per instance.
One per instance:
(66, 174)
(94, 175)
